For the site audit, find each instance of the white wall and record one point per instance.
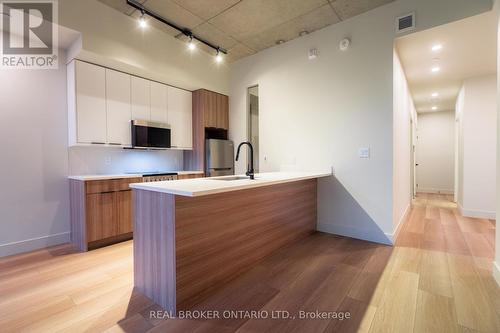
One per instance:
(34, 200)
(112, 39)
(435, 152)
(404, 117)
(316, 114)
(476, 112)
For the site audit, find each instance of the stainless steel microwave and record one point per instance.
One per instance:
(147, 134)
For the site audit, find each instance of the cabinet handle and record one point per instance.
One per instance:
(97, 143)
(115, 144)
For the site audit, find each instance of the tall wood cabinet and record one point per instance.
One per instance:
(210, 110)
(215, 108)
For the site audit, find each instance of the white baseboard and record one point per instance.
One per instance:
(351, 232)
(496, 272)
(476, 213)
(33, 244)
(435, 190)
(402, 220)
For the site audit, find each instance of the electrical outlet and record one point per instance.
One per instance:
(107, 160)
(364, 152)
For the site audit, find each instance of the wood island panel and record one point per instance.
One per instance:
(213, 238)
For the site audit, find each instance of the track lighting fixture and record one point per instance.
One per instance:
(218, 57)
(142, 20)
(192, 38)
(191, 44)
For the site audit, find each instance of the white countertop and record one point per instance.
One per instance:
(205, 186)
(124, 175)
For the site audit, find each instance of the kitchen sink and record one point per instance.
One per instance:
(230, 178)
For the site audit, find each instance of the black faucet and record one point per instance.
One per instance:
(250, 171)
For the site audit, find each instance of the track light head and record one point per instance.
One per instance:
(142, 20)
(218, 57)
(191, 44)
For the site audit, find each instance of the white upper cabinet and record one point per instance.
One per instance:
(102, 102)
(90, 101)
(118, 109)
(140, 98)
(159, 106)
(180, 117)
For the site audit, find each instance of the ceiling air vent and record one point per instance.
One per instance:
(405, 23)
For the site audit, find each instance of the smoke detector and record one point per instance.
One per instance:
(344, 44)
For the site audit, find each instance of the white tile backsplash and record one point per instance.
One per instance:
(111, 160)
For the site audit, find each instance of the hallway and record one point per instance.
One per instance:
(453, 257)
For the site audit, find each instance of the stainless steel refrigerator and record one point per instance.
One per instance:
(219, 157)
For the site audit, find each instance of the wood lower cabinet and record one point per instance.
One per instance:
(190, 176)
(101, 216)
(124, 212)
(101, 212)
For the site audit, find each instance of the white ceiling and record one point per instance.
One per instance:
(469, 49)
(244, 27)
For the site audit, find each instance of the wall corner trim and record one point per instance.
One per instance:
(402, 221)
(496, 272)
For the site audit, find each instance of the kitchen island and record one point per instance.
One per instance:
(192, 236)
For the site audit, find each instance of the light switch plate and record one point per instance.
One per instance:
(364, 152)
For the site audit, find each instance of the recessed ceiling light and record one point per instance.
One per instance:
(303, 33)
(434, 95)
(280, 41)
(437, 47)
(436, 69)
(434, 108)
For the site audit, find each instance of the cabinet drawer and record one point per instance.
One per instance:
(110, 185)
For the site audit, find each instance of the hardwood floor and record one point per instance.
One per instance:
(436, 279)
